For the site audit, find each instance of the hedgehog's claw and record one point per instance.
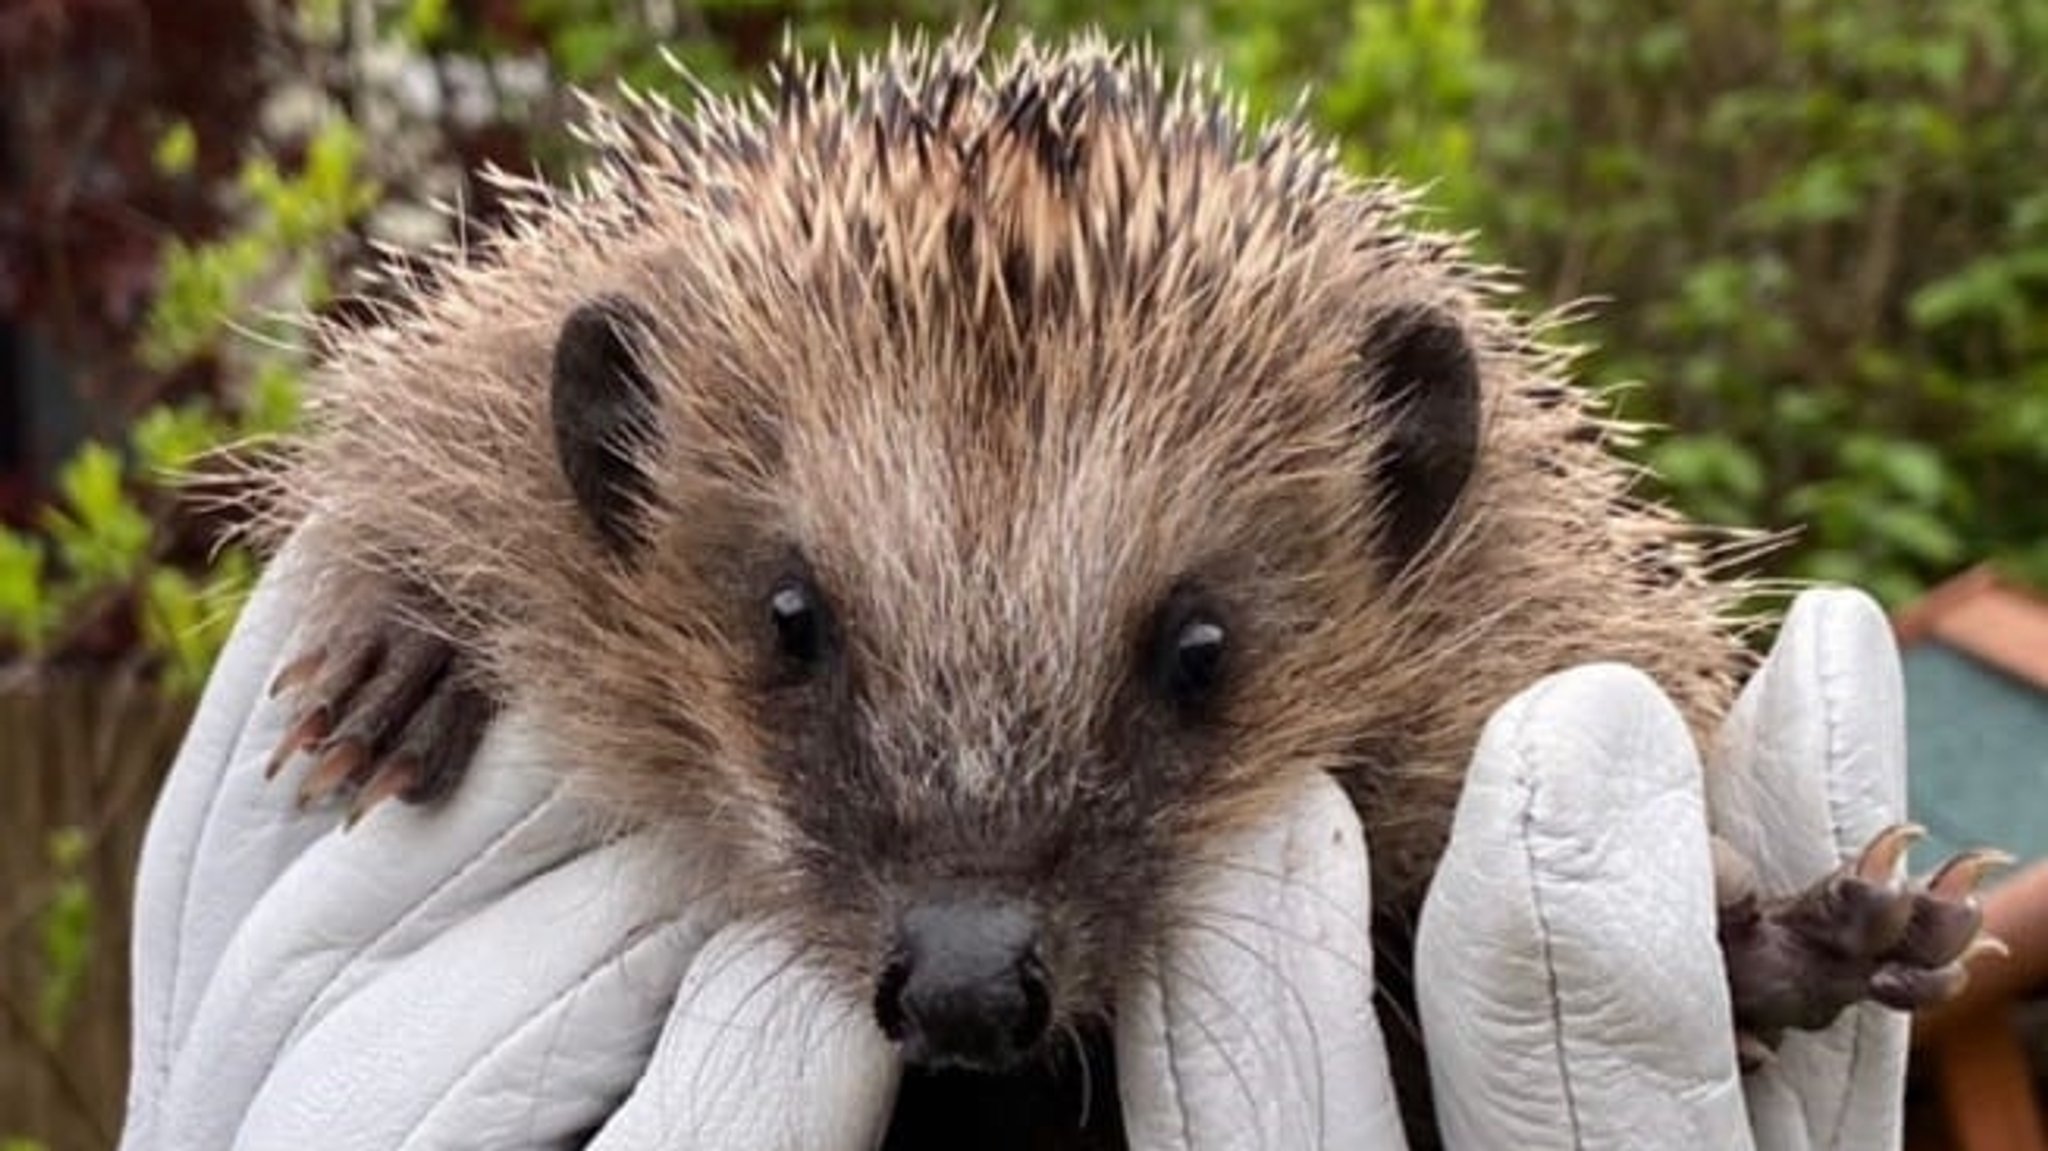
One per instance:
(339, 766)
(444, 734)
(388, 711)
(1857, 934)
(1985, 944)
(1752, 1051)
(298, 672)
(1961, 875)
(1879, 860)
(309, 730)
(395, 776)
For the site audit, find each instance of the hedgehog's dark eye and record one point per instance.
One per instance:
(1189, 651)
(800, 624)
(1197, 656)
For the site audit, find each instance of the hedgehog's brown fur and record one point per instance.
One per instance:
(1006, 348)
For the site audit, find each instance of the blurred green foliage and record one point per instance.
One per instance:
(98, 544)
(1820, 230)
(66, 923)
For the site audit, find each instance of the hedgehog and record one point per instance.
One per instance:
(950, 491)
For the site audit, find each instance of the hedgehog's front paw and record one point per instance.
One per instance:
(386, 710)
(1857, 934)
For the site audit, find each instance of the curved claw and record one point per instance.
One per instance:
(298, 672)
(1752, 1052)
(1984, 945)
(1962, 874)
(335, 768)
(1880, 860)
(311, 729)
(395, 777)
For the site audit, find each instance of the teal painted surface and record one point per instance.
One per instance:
(1978, 739)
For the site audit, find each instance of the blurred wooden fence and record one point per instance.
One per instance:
(85, 752)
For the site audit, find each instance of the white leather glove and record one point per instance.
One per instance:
(1579, 863)
(493, 973)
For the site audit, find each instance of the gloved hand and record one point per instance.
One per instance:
(1579, 864)
(499, 972)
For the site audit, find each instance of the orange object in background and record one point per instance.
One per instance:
(1975, 652)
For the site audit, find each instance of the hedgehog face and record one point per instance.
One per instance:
(1012, 631)
(1003, 507)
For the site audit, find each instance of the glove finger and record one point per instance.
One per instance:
(519, 1027)
(1809, 766)
(1568, 970)
(1257, 1029)
(211, 847)
(353, 904)
(761, 1051)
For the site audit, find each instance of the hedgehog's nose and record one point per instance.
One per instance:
(965, 987)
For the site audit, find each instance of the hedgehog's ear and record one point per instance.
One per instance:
(602, 404)
(1423, 379)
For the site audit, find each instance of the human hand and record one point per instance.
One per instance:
(1581, 863)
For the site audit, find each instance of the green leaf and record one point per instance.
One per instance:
(26, 613)
(424, 21)
(1916, 470)
(177, 149)
(1981, 289)
(168, 439)
(186, 623)
(91, 484)
(1709, 463)
(585, 51)
(199, 286)
(65, 929)
(101, 535)
(271, 406)
(1917, 533)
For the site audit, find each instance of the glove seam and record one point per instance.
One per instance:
(1527, 757)
(1173, 1063)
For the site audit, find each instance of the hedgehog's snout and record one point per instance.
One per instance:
(965, 985)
